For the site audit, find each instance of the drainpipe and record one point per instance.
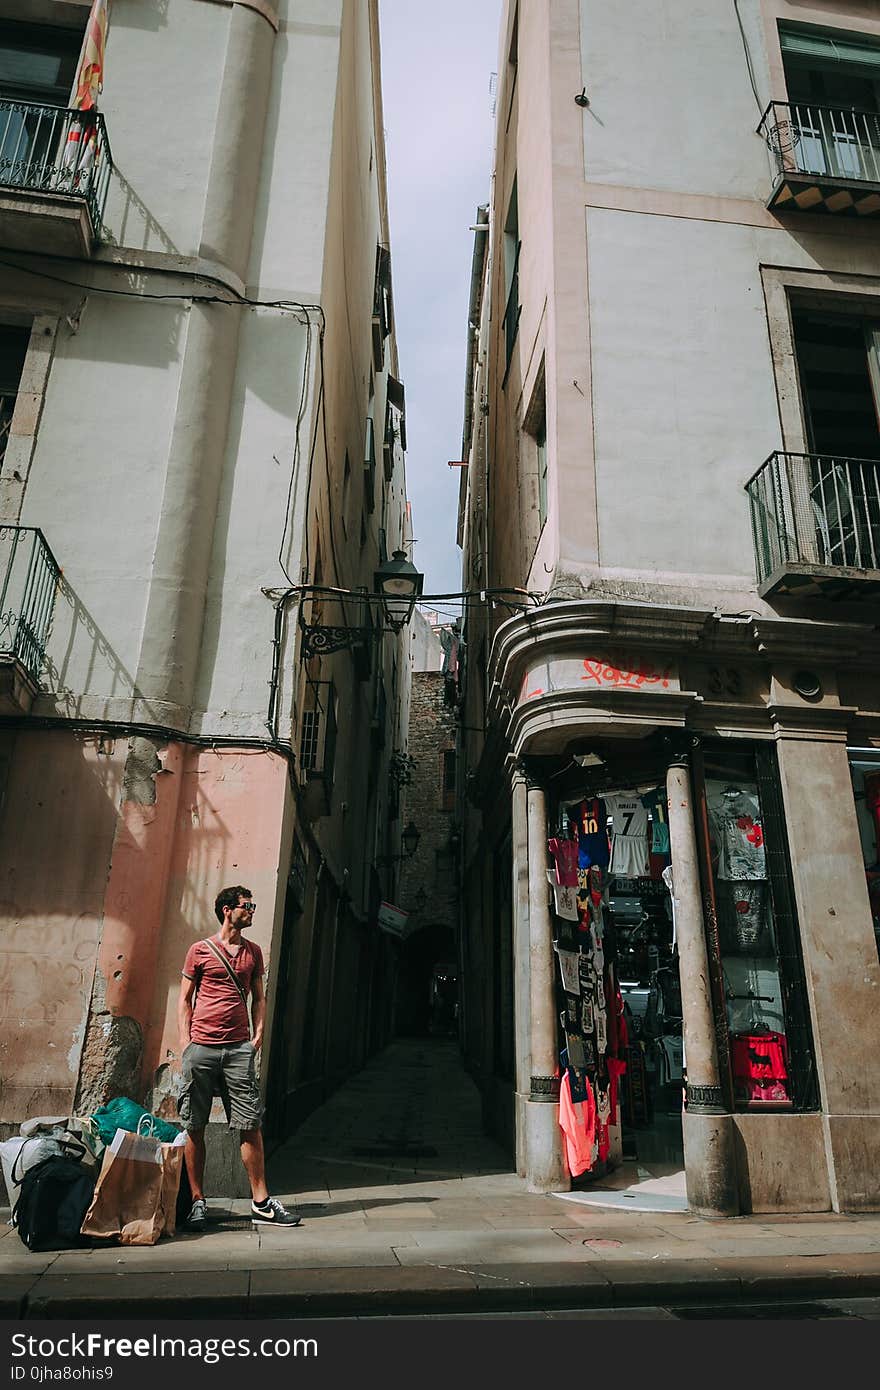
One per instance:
(707, 1129)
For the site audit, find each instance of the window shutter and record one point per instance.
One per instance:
(843, 51)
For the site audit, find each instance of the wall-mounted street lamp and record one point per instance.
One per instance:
(410, 841)
(396, 586)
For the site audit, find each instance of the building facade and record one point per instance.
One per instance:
(428, 885)
(671, 429)
(201, 413)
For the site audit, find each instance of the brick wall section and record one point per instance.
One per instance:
(434, 867)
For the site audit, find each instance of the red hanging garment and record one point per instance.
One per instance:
(577, 1120)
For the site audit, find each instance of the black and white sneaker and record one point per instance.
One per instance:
(273, 1213)
(198, 1216)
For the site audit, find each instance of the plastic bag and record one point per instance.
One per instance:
(122, 1113)
(77, 1131)
(135, 1196)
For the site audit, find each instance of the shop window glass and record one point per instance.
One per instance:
(753, 929)
(865, 769)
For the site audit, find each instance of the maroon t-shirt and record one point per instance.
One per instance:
(219, 1013)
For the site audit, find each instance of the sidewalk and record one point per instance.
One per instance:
(409, 1209)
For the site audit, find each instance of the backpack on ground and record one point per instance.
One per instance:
(52, 1202)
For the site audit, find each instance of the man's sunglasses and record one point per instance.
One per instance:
(248, 907)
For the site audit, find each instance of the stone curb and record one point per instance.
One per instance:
(357, 1292)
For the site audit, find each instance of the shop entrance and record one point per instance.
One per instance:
(618, 992)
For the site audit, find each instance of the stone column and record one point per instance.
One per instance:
(545, 1167)
(521, 950)
(840, 952)
(708, 1131)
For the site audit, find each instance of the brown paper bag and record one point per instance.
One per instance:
(136, 1192)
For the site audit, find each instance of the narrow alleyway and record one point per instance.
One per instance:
(411, 1115)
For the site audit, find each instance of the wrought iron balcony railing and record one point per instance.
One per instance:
(823, 158)
(30, 577)
(815, 510)
(49, 149)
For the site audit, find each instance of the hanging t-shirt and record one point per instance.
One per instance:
(565, 857)
(759, 1056)
(735, 822)
(589, 820)
(565, 902)
(577, 1120)
(629, 830)
(655, 802)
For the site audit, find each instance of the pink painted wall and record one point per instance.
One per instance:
(88, 883)
(233, 825)
(56, 833)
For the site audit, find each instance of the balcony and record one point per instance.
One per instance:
(816, 526)
(55, 168)
(30, 578)
(823, 158)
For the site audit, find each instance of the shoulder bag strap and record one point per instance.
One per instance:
(229, 970)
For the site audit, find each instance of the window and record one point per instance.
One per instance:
(511, 274)
(865, 771)
(370, 454)
(755, 953)
(382, 308)
(317, 744)
(833, 84)
(38, 63)
(13, 347)
(447, 761)
(838, 360)
(839, 372)
(346, 491)
(535, 424)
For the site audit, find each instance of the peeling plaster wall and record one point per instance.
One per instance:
(56, 835)
(233, 824)
(140, 837)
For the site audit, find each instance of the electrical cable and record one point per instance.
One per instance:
(745, 44)
(233, 299)
(299, 419)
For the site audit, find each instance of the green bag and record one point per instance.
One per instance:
(122, 1113)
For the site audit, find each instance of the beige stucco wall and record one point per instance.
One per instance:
(172, 451)
(643, 240)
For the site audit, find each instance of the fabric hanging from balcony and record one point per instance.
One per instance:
(90, 78)
(841, 51)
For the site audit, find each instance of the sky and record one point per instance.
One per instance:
(437, 61)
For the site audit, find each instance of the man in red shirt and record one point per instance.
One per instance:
(218, 1055)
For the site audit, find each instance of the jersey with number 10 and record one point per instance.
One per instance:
(588, 819)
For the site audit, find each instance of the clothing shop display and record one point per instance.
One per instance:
(586, 981)
(623, 936)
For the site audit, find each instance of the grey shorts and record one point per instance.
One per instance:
(226, 1070)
